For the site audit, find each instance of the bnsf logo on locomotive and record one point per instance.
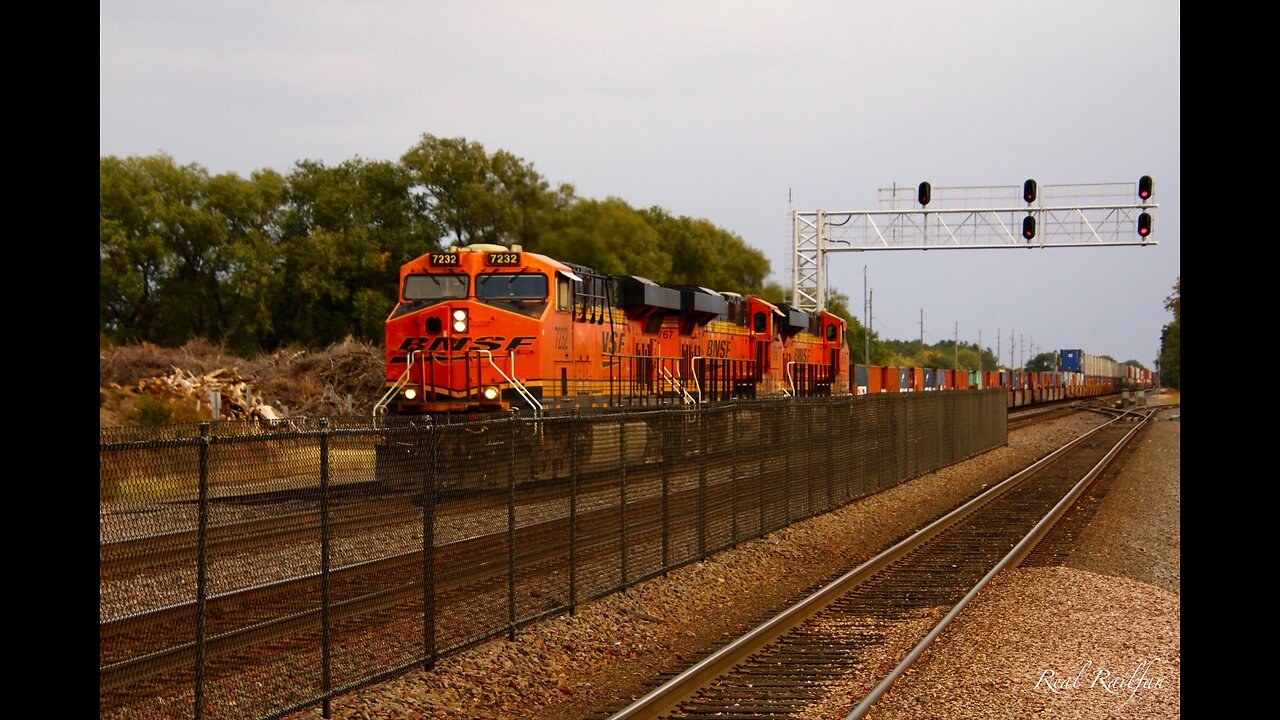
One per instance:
(463, 342)
(718, 348)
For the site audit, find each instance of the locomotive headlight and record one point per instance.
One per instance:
(460, 320)
(490, 393)
(410, 394)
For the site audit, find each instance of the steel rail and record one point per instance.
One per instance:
(1013, 557)
(456, 567)
(670, 694)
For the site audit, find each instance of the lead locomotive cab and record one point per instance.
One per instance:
(466, 333)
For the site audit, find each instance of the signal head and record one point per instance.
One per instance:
(924, 193)
(1029, 191)
(1146, 187)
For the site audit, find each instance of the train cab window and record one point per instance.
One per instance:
(564, 294)
(831, 332)
(436, 287)
(511, 286)
(738, 313)
(760, 325)
(523, 293)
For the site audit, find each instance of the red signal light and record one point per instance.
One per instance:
(1028, 227)
(1146, 187)
(1144, 224)
(924, 193)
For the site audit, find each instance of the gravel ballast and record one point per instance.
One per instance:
(1114, 608)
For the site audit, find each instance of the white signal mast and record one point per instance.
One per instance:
(970, 218)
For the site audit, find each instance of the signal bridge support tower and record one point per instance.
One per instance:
(970, 218)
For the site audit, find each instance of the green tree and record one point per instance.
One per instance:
(247, 277)
(133, 260)
(478, 198)
(609, 237)
(158, 251)
(526, 202)
(705, 255)
(345, 231)
(943, 354)
(1170, 341)
(1044, 362)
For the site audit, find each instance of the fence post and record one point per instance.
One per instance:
(511, 532)
(702, 482)
(574, 428)
(666, 493)
(202, 586)
(760, 455)
(326, 671)
(830, 474)
(425, 443)
(733, 473)
(786, 457)
(622, 489)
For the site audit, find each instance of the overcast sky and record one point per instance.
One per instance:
(716, 110)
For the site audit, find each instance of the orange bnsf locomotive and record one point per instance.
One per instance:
(485, 328)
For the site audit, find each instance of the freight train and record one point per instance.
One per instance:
(486, 328)
(482, 330)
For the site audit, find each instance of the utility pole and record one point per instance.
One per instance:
(922, 336)
(866, 319)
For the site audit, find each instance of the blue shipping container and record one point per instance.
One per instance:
(1072, 359)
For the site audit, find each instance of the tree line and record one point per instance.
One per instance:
(946, 354)
(1171, 340)
(313, 256)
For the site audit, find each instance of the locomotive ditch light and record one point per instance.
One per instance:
(490, 393)
(460, 320)
(410, 394)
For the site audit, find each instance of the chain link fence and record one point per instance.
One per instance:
(252, 571)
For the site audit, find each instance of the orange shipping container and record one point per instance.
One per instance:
(875, 379)
(890, 378)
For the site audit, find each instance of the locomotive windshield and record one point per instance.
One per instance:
(523, 293)
(511, 286)
(435, 287)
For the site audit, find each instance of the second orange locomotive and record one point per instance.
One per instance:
(484, 328)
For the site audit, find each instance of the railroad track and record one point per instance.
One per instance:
(155, 650)
(365, 506)
(150, 655)
(857, 635)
